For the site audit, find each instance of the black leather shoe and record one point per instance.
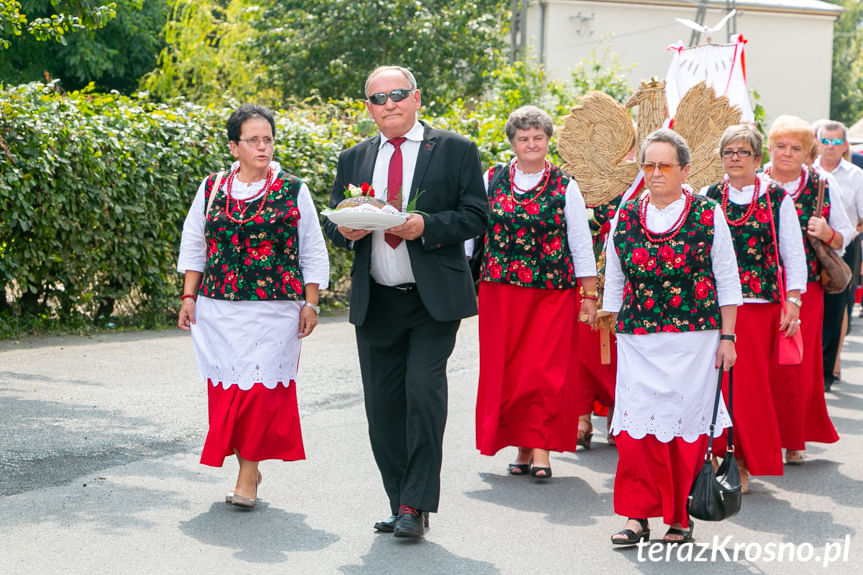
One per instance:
(410, 525)
(387, 525)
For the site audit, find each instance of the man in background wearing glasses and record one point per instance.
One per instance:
(832, 142)
(410, 286)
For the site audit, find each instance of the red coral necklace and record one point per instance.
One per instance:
(539, 187)
(802, 185)
(749, 210)
(675, 229)
(241, 205)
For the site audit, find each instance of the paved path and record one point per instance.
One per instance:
(100, 438)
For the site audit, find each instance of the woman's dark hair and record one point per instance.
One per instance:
(245, 113)
(668, 136)
(528, 117)
(742, 133)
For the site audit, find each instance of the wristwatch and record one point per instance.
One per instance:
(728, 337)
(315, 308)
(795, 300)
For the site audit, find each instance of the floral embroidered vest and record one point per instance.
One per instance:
(257, 260)
(753, 242)
(526, 245)
(805, 206)
(670, 285)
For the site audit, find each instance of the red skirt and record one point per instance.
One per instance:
(595, 381)
(756, 429)
(258, 424)
(653, 478)
(528, 368)
(798, 390)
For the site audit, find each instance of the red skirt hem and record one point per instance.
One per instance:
(258, 423)
(528, 368)
(653, 478)
(798, 390)
(756, 429)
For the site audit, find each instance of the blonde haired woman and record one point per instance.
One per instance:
(798, 390)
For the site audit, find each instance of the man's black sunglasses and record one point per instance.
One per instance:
(380, 98)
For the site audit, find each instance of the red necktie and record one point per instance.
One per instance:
(394, 186)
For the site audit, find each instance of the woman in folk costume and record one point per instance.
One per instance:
(537, 247)
(254, 259)
(672, 284)
(754, 207)
(798, 390)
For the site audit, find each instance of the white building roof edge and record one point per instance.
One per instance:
(812, 7)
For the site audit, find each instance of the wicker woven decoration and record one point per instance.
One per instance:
(652, 109)
(701, 118)
(595, 138)
(598, 134)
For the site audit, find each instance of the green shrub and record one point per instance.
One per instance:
(91, 195)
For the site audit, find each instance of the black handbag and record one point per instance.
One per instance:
(716, 495)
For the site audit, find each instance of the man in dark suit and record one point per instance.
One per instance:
(410, 286)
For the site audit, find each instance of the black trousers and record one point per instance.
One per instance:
(855, 274)
(403, 354)
(836, 306)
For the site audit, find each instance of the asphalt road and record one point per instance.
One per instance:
(100, 438)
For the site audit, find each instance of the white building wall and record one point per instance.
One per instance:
(788, 57)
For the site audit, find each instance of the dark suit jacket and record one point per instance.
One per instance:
(449, 176)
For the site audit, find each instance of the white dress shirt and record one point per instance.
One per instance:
(722, 257)
(314, 261)
(837, 219)
(577, 229)
(790, 237)
(391, 267)
(850, 180)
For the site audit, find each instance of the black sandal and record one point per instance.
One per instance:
(631, 536)
(585, 439)
(585, 436)
(534, 470)
(519, 468)
(687, 535)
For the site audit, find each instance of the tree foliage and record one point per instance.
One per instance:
(329, 46)
(846, 90)
(113, 57)
(514, 85)
(205, 59)
(63, 17)
(280, 51)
